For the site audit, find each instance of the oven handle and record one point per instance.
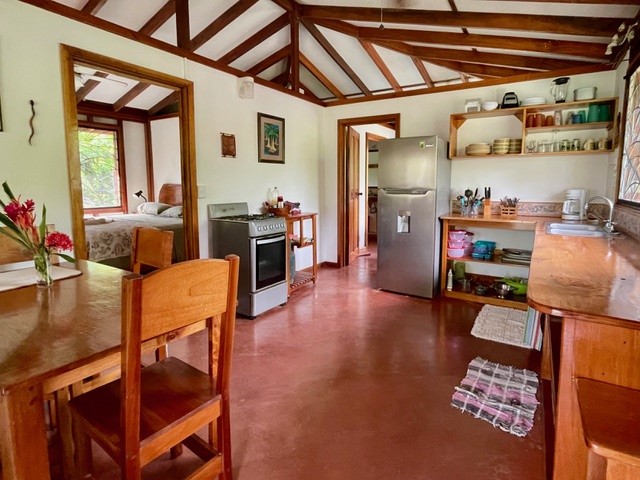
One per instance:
(265, 241)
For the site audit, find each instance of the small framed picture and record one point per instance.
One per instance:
(270, 139)
(228, 144)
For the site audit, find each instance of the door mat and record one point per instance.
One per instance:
(502, 395)
(510, 326)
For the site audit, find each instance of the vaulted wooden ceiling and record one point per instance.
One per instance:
(334, 52)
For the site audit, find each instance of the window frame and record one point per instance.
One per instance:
(90, 123)
(634, 67)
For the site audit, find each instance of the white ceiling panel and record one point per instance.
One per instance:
(128, 13)
(401, 66)
(77, 4)
(270, 45)
(606, 9)
(150, 97)
(312, 83)
(167, 32)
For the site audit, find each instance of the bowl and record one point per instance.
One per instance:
(457, 234)
(584, 93)
(455, 252)
(456, 244)
(502, 289)
(488, 106)
(518, 285)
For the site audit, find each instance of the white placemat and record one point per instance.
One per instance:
(27, 276)
(508, 325)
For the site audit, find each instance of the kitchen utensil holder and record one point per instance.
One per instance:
(508, 212)
(486, 208)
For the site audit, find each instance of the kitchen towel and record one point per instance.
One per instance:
(509, 325)
(502, 395)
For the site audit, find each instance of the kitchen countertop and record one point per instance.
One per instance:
(595, 278)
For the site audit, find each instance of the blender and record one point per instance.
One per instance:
(559, 88)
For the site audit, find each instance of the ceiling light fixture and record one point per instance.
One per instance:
(625, 34)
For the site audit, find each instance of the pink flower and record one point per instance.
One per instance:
(58, 241)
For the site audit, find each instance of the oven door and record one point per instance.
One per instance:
(268, 257)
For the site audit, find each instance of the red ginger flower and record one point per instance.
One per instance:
(58, 241)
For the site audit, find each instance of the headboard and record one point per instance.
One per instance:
(170, 193)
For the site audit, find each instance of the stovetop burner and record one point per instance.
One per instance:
(249, 217)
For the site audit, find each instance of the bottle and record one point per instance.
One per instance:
(269, 197)
(274, 198)
(280, 201)
(450, 280)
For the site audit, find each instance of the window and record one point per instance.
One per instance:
(629, 189)
(101, 170)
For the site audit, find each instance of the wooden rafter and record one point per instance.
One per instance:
(288, 5)
(294, 56)
(333, 53)
(93, 6)
(129, 96)
(384, 69)
(569, 25)
(271, 60)
(159, 18)
(170, 99)
(423, 71)
(322, 78)
(88, 86)
(282, 78)
(183, 35)
(611, 2)
(479, 70)
(255, 39)
(222, 21)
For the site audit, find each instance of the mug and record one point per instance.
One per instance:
(539, 122)
(578, 117)
(576, 144)
(588, 144)
(548, 121)
(531, 120)
(569, 119)
(557, 117)
(602, 143)
(594, 113)
(565, 146)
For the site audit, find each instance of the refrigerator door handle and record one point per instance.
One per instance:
(406, 191)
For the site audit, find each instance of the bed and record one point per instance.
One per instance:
(109, 236)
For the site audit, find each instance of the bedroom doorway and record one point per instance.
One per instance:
(90, 70)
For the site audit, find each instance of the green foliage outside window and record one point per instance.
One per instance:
(99, 168)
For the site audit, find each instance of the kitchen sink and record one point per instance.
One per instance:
(575, 229)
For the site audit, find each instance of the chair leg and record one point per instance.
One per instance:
(65, 426)
(83, 458)
(224, 441)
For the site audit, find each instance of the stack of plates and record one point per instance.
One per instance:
(501, 146)
(517, 256)
(533, 101)
(515, 145)
(478, 149)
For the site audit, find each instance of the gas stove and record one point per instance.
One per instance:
(257, 225)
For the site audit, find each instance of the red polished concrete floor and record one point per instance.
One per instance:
(346, 382)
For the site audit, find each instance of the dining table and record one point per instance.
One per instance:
(52, 341)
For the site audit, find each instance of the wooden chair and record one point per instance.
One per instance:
(150, 248)
(138, 417)
(610, 417)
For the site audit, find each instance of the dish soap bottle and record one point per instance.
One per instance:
(450, 280)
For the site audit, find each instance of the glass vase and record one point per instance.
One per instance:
(42, 262)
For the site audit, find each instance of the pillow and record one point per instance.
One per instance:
(152, 208)
(175, 212)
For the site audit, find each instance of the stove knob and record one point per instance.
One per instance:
(259, 228)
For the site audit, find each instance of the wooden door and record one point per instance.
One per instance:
(354, 193)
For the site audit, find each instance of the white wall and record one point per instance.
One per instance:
(135, 148)
(531, 179)
(30, 69)
(165, 148)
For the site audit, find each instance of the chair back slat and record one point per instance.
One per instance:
(13, 252)
(150, 247)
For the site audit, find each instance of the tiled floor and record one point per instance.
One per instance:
(347, 382)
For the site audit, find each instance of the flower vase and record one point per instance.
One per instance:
(42, 262)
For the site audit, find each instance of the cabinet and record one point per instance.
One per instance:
(511, 122)
(298, 237)
(486, 272)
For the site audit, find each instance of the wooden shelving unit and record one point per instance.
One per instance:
(495, 221)
(609, 127)
(296, 238)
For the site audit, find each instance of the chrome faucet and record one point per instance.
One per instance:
(608, 223)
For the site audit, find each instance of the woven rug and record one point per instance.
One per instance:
(508, 325)
(499, 394)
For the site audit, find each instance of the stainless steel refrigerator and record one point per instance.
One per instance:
(414, 190)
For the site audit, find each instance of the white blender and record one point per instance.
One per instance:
(573, 208)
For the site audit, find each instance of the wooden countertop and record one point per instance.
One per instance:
(595, 278)
(496, 221)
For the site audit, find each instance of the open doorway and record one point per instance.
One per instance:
(77, 65)
(352, 202)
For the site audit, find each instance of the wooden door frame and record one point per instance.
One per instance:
(343, 123)
(72, 55)
(369, 137)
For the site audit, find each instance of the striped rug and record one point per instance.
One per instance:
(499, 394)
(509, 325)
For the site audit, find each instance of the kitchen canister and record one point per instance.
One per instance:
(604, 113)
(594, 113)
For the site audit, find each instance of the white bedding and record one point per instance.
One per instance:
(113, 238)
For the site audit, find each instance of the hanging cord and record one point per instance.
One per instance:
(381, 27)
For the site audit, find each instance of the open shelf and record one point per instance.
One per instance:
(511, 300)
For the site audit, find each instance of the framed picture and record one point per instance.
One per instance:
(270, 139)
(228, 143)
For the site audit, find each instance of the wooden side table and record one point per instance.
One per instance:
(296, 238)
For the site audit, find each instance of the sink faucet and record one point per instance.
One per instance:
(608, 223)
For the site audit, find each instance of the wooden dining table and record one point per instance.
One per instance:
(51, 338)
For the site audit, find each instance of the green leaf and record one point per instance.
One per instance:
(66, 257)
(42, 229)
(8, 191)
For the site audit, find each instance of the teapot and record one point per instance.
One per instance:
(559, 89)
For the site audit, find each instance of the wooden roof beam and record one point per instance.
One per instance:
(294, 56)
(569, 25)
(324, 43)
(322, 78)
(222, 21)
(255, 40)
(269, 61)
(183, 35)
(129, 96)
(478, 70)
(563, 47)
(377, 59)
(423, 71)
(170, 99)
(159, 18)
(287, 5)
(93, 6)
